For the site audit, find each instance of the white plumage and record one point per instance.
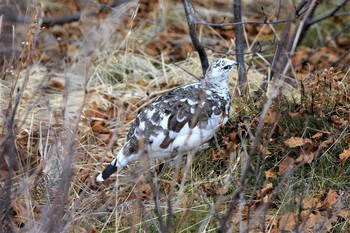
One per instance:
(178, 121)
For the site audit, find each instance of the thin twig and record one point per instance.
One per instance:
(298, 10)
(157, 208)
(330, 14)
(237, 194)
(8, 147)
(342, 14)
(193, 34)
(299, 33)
(257, 49)
(347, 26)
(48, 22)
(343, 56)
(242, 73)
(287, 45)
(186, 71)
(201, 22)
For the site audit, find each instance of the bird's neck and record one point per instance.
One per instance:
(218, 86)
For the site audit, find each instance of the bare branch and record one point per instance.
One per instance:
(186, 71)
(343, 56)
(342, 14)
(48, 22)
(7, 146)
(242, 73)
(289, 42)
(236, 195)
(257, 49)
(330, 14)
(298, 14)
(195, 41)
(157, 208)
(201, 22)
(224, 222)
(322, 45)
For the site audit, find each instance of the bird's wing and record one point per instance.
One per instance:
(169, 113)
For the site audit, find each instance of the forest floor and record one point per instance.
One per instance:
(70, 90)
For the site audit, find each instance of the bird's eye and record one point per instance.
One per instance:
(226, 67)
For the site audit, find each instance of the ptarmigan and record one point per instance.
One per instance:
(179, 121)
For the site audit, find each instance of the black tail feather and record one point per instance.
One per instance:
(108, 171)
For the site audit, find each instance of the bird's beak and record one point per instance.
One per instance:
(234, 63)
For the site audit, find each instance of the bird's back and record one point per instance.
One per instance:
(177, 122)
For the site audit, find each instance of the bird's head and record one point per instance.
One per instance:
(219, 70)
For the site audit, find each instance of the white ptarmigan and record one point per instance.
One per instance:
(179, 121)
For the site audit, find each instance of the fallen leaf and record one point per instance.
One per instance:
(314, 220)
(294, 142)
(304, 215)
(345, 214)
(99, 127)
(142, 190)
(237, 219)
(93, 230)
(287, 222)
(131, 105)
(227, 33)
(327, 143)
(271, 117)
(272, 221)
(330, 200)
(215, 156)
(22, 137)
(298, 57)
(344, 156)
(221, 191)
(93, 111)
(130, 117)
(338, 120)
(266, 198)
(234, 137)
(317, 135)
(211, 190)
(57, 85)
(343, 41)
(266, 189)
(270, 174)
(208, 189)
(264, 151)
(142, 82)
(285, 165)
(294, 114)
(104, 137)
(110, 112)
(4, 174)
(305, 157)
(310, 202)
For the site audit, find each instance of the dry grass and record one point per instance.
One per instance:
(60, 150)
(52, 130)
